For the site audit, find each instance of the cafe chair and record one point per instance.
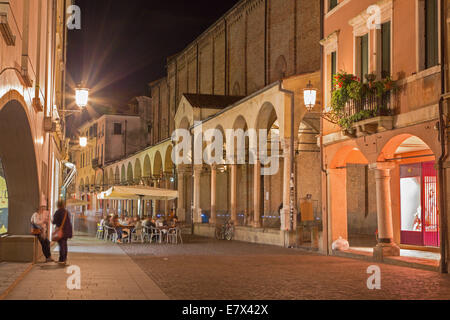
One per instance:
(155, 234)
(100, 232)
(138, 235)
(111, 234)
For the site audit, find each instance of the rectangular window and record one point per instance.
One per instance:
(117, 129)
(431, 34)
(333, 69)
(333, 4)
(386, 49)
(364, 58)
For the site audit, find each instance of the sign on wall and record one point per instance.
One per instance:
(3, 202)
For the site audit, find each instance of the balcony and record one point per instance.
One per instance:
(369, 115)
(362, 108)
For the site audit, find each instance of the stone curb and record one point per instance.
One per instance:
(389, 261)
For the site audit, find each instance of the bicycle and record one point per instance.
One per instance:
(226, 231)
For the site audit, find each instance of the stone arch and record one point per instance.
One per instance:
(236, 89)
(111, 176)
(168, 163)
(414, 143)
(123, 174)
(147, 167)
(137, 170)
(129, 173)
(99, 178)
(18, 158)
(184, 124)
(348, 154)
(106, 178)
(266, 117)
(117, 177)
(157, 165)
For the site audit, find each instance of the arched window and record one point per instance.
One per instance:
(281, 67)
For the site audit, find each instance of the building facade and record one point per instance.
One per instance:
(245, 72)
(32, 147)
(382, 78)
(109, 139)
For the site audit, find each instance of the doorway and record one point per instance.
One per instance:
(419, 210)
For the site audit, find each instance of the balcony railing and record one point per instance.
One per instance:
(370, 106)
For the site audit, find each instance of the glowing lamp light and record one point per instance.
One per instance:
(83, 142)
(81, 97)
(310, 96)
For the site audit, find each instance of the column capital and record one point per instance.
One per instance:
(199, 168)
(382, 166)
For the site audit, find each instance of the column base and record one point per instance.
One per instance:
(290, 239)
(385, 250)
(198, 216)
(257, 224)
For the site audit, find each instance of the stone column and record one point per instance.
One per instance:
(213, 219)
(257, 194)
(166, 202)
(181, 210)
(286, 212)
(197, 185)
(157, 202)
(337, 205)
(233, 193)
(386, 245)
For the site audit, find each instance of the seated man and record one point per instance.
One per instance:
(119, 231)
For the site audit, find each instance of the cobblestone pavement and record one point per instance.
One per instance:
(9, 272)
(204, 269)
(107, 273)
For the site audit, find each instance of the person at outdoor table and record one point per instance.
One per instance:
(117, 226)
(159, 222)
(109, 222)
(174, 221)
(137, 226)
(149, 223)
(103, 221)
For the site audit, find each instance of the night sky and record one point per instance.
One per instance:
(123, 45)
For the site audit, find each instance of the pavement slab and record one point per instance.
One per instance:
(107, 273)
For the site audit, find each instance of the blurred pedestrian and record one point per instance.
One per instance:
(61, 220)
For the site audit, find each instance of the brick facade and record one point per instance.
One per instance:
(254, 44)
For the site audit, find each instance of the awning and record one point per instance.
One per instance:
(137, 193)
(76, 203)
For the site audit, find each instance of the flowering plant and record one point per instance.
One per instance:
(347, 88)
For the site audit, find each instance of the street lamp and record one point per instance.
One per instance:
(310, 96)
(83, 142)
(81, 96)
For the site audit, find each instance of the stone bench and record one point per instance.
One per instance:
(18, 248)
